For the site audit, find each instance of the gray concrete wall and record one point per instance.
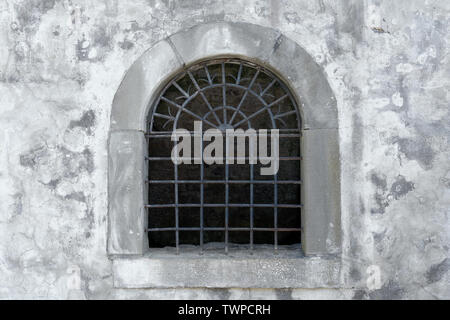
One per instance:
(387, 62)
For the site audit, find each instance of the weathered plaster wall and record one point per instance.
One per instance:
(61, 63)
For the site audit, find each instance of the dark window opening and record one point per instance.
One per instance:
(223, 205)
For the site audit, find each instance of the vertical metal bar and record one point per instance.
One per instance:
(251, 207)
(226, 207)
(224, 94)
(275, 208)
(201, 197)
(275, 213)
(224, 101)
(300, 187)
(177, 233)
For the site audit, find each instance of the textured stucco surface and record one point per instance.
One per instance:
(387, 62)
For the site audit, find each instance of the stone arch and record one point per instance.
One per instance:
(268, 47)
(252, 42)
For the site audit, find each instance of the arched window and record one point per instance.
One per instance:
(140, 124)
(226, 205)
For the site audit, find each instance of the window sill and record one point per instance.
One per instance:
(162, 268)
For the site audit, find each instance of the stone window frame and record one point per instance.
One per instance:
(135, 265)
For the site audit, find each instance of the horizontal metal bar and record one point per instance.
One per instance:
(225, 181)
(169, 135)
(223, 229)
(224, 158)
(223, 205)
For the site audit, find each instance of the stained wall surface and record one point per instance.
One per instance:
(387, 62)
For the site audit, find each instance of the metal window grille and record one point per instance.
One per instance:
(229, 205)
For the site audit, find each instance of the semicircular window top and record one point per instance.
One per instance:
(224, 205)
